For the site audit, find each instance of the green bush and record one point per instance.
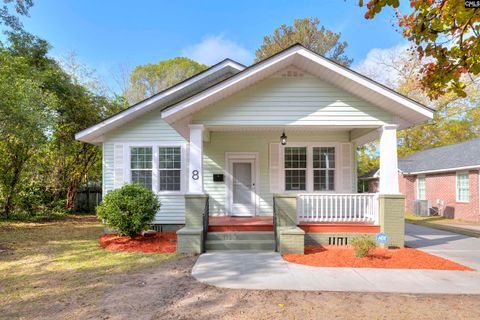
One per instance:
(362, 245)
(129, 210)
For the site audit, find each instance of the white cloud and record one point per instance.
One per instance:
(213, 49)
(383, 64)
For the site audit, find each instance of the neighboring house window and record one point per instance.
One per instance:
(421, 188)
(141, 166)
(170, 165)
(323, 168)
(463, 187)
(295, 168)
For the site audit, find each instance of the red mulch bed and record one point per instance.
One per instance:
(404, 258)
(161, 242)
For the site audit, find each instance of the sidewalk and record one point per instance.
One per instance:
(268, 271)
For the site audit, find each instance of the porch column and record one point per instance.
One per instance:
(195, 162)
(388, 160)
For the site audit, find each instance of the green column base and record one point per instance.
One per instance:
(392, 219)
(291, 240)
(194, 207)
(189, 240)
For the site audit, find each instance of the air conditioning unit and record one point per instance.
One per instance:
(422, 208)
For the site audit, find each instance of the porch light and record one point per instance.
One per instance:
(283, 138)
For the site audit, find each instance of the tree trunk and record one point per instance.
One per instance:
(71, 196)
(11, 191)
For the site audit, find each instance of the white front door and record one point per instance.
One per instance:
(242, 195)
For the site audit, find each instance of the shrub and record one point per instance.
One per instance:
(129, 210)
(363, 245)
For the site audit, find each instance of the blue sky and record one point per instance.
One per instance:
(106, 34)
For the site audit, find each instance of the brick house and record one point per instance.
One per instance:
(447, 176)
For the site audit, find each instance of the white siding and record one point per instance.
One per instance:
(148, 128)
(301, 101)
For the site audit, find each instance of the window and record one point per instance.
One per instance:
(323, 168)
(141, 166)
(309, 168)
(421, 188)
(295, 168)
(170, 165)
(463, 187)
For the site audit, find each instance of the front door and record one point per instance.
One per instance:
(242, 189)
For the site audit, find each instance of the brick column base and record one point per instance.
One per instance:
(392, 218)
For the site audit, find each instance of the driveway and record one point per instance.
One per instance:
(456, 247)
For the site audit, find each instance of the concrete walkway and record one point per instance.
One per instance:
(267, 270)
(453, 246)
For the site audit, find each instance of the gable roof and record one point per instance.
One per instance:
(229, 77)
(405, 108)
(173, 94)
(457, 156)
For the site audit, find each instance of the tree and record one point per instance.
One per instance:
(42, 107)
(456, 118)
(10, 20)
(149, 79)
(446, 36)
(306, 32)
(25, 107)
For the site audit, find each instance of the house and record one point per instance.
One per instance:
(448, 177)
(262, 157)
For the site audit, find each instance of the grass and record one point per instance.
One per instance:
(441, 223)
(51, 264)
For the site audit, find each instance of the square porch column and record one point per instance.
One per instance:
(391, 202)
(195, 160)
(190, 238)
(388, 160)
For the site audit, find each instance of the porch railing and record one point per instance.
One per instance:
(355, 207)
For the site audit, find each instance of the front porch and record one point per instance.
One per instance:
(297, 220)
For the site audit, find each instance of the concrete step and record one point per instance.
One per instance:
(211, 245)
(266, 235)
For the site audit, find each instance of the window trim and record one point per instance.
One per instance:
(307, 155)
(156, 166)
(458, 173)
(309, 174)
(169, 169)
(130, 163)
(424, 186)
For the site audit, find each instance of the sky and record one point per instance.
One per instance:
(107, 34)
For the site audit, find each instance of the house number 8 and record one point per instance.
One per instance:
(195, 175)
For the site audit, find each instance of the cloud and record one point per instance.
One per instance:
(381, 64)
(213, 49)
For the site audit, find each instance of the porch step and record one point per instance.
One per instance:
(240, 241)
(240, 228)
(240, 236)
(263, 245)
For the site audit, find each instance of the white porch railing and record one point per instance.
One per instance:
(355, 207)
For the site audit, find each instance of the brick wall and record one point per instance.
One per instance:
(441, 190)
(407, 187)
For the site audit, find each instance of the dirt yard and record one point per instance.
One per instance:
(47, 272)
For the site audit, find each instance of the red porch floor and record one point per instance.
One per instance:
(238, 224)
(359, 227)
(233, 224)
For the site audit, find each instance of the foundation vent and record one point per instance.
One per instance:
(337, 241)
